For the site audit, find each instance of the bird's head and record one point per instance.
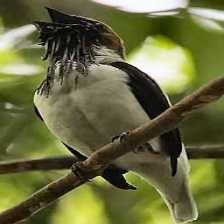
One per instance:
(74, 38)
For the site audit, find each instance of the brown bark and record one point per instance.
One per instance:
(54, 163)
(65, 162)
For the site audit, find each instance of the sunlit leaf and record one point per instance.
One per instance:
(173, 12)
(199, 174)
(20, 69)
(210, 19)
(80, 207)
(205, 17)
(171, 65)
(9, 56)
(11, 192)
(11, 62)
(207, 13)
(208, 24)
(145, 6)
(15, 188)
(215, 201)
(14, 37)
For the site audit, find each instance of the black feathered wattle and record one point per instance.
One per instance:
(67, 39)
(66, 43)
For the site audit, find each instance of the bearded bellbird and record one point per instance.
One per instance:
(91, 94)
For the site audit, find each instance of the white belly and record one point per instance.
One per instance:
(88, 115)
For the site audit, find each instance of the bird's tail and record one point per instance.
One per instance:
(184, 209)
(174, 190)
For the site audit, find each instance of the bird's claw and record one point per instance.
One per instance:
(145, 148)
(77, 169)
(121, 138)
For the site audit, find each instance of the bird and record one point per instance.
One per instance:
(90, 96)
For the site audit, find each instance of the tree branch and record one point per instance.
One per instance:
(65, 162)
(54, 163)
(205, 152)
(95, 164)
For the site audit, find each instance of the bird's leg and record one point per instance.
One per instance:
(77, 169)
(145, 148)
(121, 138)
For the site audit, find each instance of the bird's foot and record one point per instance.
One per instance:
(78, 170)
(145, 148)
(121, 138)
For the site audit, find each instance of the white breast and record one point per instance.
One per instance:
(88, 115)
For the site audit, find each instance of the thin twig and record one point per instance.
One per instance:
(95, 164)
(54, 163)
(65, 162)
(205, 152)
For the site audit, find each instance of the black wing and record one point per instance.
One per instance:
(154, 102)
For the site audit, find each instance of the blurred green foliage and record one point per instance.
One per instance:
(193, 52)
